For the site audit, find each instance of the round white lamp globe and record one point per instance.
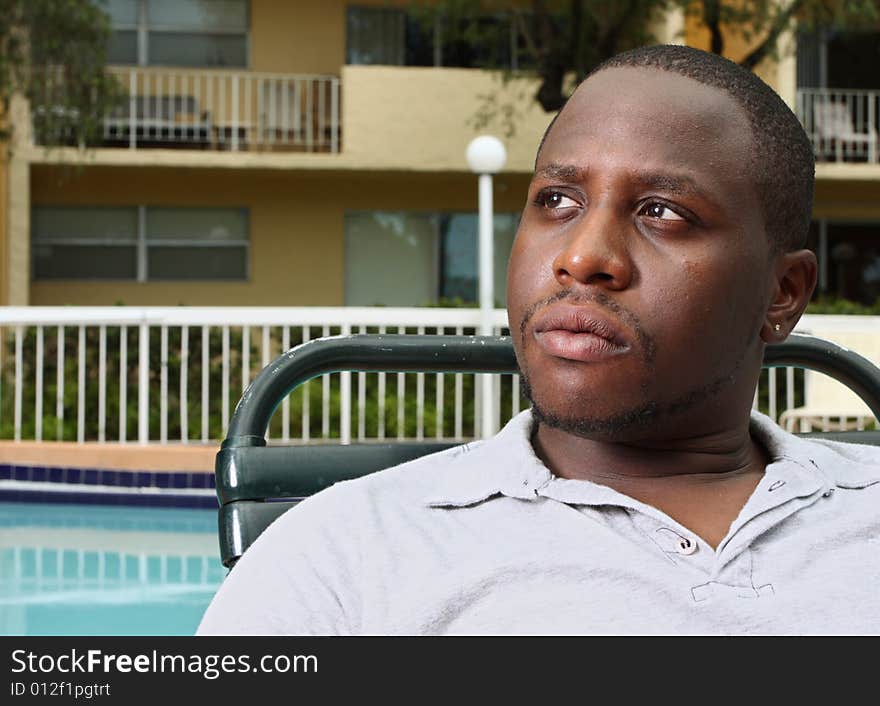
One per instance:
(486, 154)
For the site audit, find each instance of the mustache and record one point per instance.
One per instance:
(603, 301)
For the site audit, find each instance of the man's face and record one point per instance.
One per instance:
(641, 271)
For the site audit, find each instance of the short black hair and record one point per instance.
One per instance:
(782, 161)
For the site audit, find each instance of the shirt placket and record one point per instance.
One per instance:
(680, 546)
(786, 488)
(728, 569)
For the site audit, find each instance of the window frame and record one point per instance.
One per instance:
(143, 28)
(142, 244)
(827, 235)
(435, 218)
(437, 36)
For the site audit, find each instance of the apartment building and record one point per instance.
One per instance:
(838, 100)
(301, 153)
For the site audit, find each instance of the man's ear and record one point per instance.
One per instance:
(795, 280)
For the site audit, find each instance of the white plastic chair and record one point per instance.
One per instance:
(828, 404)
(834, 128)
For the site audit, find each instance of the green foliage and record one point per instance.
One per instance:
(452, 303)
(53, 52)
(563, 40)
(829, 304)
(761, 23)
(305, 403)
(556, 40)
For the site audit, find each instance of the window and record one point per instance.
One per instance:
(84, 243)
(142, 243)
(379, 35)
(375, 36)
(849, 259)
(416, 259)
(838, 59)
(178, 32)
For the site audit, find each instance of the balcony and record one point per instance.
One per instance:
(224, 111)
(842, 124)
(395, 118)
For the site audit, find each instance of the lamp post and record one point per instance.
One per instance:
(485, 156)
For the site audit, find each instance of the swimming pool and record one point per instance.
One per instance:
(106, 570)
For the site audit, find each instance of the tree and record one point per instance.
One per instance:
(763, 22)
(53, 52)
(565, 39)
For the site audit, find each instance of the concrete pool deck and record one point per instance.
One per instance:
(132, 456)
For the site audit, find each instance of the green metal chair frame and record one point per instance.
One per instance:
(256, 482)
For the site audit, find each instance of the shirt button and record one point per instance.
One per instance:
(685, 546)
(828, 493)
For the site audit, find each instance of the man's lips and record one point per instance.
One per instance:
(579, 333)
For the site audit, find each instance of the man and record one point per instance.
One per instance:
(660, 249)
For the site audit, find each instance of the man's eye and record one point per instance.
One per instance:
(662, 212)
(555, 200)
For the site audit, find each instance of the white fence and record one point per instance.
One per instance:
(842, 124)
(174, 374)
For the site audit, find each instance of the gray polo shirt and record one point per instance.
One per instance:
(484, 539)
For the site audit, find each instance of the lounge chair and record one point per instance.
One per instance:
(257, 482)
(829, 405)
(159, 120)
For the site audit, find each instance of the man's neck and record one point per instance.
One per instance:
(702, 482)
(714, 453)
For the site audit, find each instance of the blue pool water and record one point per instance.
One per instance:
(105, 570)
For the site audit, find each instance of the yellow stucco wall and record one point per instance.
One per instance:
(423, 118)
(394, 117)
(16, 255)
(302, 37)
(4, 217)
(296, 220)
(297, 37)
(849, 199)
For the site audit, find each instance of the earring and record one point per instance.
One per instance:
(777, 327)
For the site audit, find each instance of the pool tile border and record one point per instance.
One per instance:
(103, 486)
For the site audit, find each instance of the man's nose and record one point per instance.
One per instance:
(595, 252)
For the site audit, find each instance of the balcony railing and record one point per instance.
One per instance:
(843, 125)
(219, 110)
(173, 375)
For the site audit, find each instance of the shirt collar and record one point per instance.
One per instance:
(506, 465)
(845, 465)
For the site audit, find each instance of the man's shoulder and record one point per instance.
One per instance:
(459, 475)
(411, 481)
(342, 517)
(844, 462)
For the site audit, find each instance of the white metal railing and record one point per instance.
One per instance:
(174, 374)
(224, 110)
(842, 124)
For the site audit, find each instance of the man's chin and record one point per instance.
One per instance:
(589, 420)
(617, 426)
